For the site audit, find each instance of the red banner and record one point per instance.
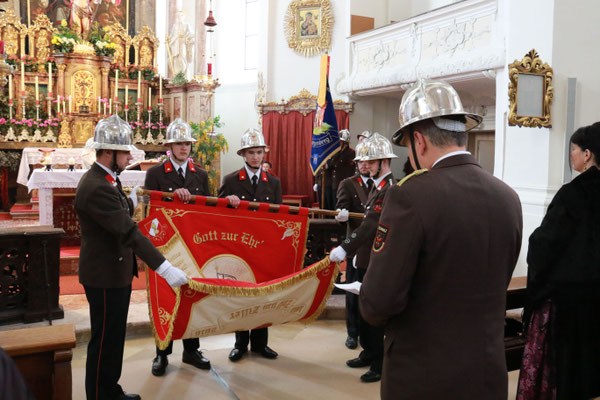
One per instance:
(246, 266)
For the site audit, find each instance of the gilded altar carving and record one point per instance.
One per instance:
(118, 35)
(40, 34)
(145, 45)
(83, 89)
(13, 32)
(64, 138)
(304, 102)
(82, 130)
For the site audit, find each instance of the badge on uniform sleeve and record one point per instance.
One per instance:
(378, 205)
(380, 236)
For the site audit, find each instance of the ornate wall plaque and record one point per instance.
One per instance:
(308, 25)
(530, 92)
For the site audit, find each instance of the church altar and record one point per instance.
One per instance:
(32, 155)
(47, 182)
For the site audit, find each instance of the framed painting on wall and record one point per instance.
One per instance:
(308, 25)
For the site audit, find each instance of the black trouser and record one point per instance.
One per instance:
(257, 338)
(371, 338)
(352, 312)
(189, 345)
(108, 318)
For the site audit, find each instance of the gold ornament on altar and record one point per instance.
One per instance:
(13, 33)
(530, 92)
(145, 45)
(118, 35)
(40, 34)
(64, 138)
(308, 25)
(84, 48)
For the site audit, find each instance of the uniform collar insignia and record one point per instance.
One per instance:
(242, 175)
(381, 184)
(168, 166)
(263, 176)
(191, 166)
(110, 179)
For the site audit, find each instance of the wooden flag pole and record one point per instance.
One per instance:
(253, 204)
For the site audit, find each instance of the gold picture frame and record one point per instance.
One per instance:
(529, 102)
(308, 25)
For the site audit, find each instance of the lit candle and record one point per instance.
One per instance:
(139, 94)
(37, 90)
(110, 106)
(49, 79)
(64, 106)
(10, 89)
(105, 109)
(58, 105)
(116, 86)
(99, 106)
(160, 89)
(149, 98)
(71, 161)
(70, 105)
(22, 78)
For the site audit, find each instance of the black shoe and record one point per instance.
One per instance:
(159, 365)
(371, 376)
(351, 343)
(196, 359)
(130, 396)
(266, 352)
(236, 354)
(358, 363)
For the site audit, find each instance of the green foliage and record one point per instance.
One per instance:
(179, 79)
(64, 39)
(208, 147)
(101, 42)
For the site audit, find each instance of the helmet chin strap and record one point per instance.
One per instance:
(414, 151)
(115, 166)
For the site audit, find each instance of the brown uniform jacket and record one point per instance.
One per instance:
(446, 246)
(164, 177)
(360, 240)
(109, 237)
(239, 184)
(341, 166)
(352, 194)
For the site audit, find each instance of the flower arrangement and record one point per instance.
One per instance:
(208, 146)
(48, 61)
(13, 61)
(148, 72)
(64, 39)
(101, 41)
(29, 62)
(132, 70)
(123, 73)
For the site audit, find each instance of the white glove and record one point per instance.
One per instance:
(342, 215)
(316, 188)
(354, 262)
(338, 254)
(174, 276)
(133, 196)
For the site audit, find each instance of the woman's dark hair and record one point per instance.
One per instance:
(588, 138)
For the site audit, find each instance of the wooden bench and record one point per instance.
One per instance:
(516, 297)
(43, 355)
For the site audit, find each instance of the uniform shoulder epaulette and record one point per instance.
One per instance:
(415, 173)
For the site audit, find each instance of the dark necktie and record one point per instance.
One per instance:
(254, 182)
(369, 184)
(180, 172)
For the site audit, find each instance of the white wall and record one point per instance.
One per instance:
(376, 9)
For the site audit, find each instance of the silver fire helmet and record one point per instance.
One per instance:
(345, 135)
(437, 100)
(364, 134)
(179, 131)
(378, 147)
(252, 138)
(112, 133)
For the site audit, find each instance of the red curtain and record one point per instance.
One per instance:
(289, 137)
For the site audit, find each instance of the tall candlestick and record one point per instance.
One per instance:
(10, 88)
(105, 109)
(37, 90)
(116, 85)
(22, 78)
(99, 106)
(126, 95)
(64, 106)
(139, 94)
(70, 105)
(58, 105)
(149, 98)
(160, 89)
(49, 79)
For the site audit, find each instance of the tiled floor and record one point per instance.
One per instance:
(311, 365)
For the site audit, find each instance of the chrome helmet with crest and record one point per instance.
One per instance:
(252, 138)
(112, 133)
(179, 131)
(377, 147)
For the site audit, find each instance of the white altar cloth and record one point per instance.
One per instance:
(32, 155)
(47, 181)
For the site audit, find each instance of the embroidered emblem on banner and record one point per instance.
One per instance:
(380, 236)
(155, 230)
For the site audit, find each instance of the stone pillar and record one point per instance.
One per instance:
(199, 65)
(104, 85)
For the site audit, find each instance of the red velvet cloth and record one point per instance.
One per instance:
(289, 136)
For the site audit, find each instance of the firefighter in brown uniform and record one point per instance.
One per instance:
(179, 175)
(446, 246)
(251, 184)
(378, 154)
(110, 240)
(352, 195)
